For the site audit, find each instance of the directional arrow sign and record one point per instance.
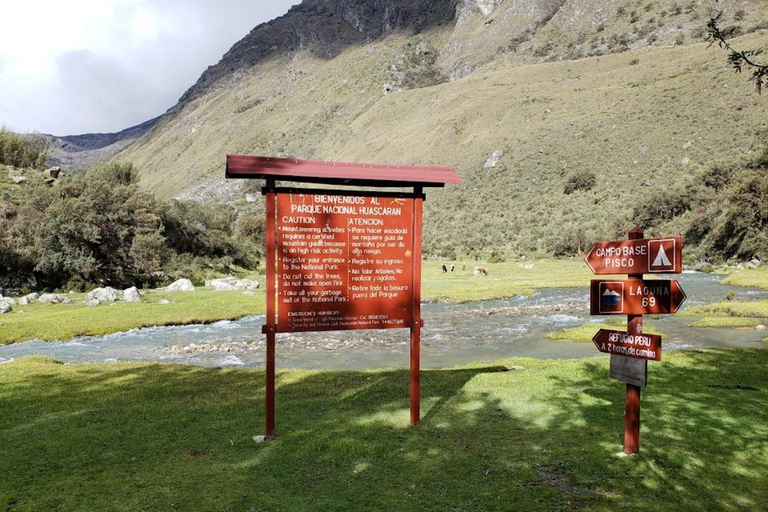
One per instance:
(644, 256)
(635, 297)
(639, 346)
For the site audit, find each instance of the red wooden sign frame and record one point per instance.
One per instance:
(310, 288)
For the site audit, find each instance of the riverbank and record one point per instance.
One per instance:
(544, 437)
(51, 322)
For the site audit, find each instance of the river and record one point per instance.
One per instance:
(453, 334)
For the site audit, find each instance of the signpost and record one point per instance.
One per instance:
(635, 297)
(341, 259)
(631, 350)
(620, 343)
(644, 256)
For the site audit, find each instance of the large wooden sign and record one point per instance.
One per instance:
(620, 343)
(635, 297)
(344, 261)
(341, 259)
(644, 256)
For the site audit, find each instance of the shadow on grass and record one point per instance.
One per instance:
(153, 437)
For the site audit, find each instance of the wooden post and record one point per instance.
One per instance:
(632, 396)
(416, 328)
(270, 327)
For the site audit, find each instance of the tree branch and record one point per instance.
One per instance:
(738, 59)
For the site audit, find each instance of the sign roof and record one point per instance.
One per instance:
(315, 171)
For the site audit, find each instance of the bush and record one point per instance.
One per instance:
(580, 180)
(30, 150)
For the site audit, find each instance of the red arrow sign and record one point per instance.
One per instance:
(644, 256)
(639, 346)
(635, 297)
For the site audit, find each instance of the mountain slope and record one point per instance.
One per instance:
(639, 115)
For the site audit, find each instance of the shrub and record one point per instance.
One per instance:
(580, 180)
(30, 150)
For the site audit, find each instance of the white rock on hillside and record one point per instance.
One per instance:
(54, 298)
(5, 308)
(132, 295)
(222, 287)
(182, 285)
(8, 300)
(91, 301)
(247, 284)
(107, 294)
(28, 299)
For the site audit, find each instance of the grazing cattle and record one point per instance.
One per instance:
(453, 268)
(445, 269)
(480, 271)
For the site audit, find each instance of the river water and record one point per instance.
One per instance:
(454, 334)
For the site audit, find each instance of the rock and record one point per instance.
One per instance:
(132, 295)
(53, 172)
(246, 284)
(226, 280)
(18, 180)
(28, 299)
(687, 144)
(164, 301)
(5, 308)
(182, 285)
(495, 157)
(686, 161)
(547, 110)
(755, 262)
(91, 301)
(222, 287)
(54, 298)
(760, 327)
(644, 150)
(8, 300)
(249, 293)
(107, 294)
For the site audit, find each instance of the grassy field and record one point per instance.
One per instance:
(749, 277)
(130, 437)
(65, 321)
(587, 331)
(51, 322)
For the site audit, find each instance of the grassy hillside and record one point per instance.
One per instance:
(641, 122)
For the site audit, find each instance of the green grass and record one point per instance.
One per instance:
(50, 322)
(752, 309)
(503, 280)
(130, 437)
(728, 322)
(587, 331)
(757, 278)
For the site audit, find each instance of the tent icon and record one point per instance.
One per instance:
(662, 255)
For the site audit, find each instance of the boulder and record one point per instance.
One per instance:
(494, 159)
(28, 299)
(222, 287)
(53, 172)
(132, 295)
(8, 300)
(164, 301)
(54, 298)
(5, 308)
(91, 301)
(226, 280)
(247, 284)
(182, 285)
(107, 294)
(249, 293)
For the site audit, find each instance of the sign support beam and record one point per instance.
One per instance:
(415, 387)
(271, 306)
(632, 396)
